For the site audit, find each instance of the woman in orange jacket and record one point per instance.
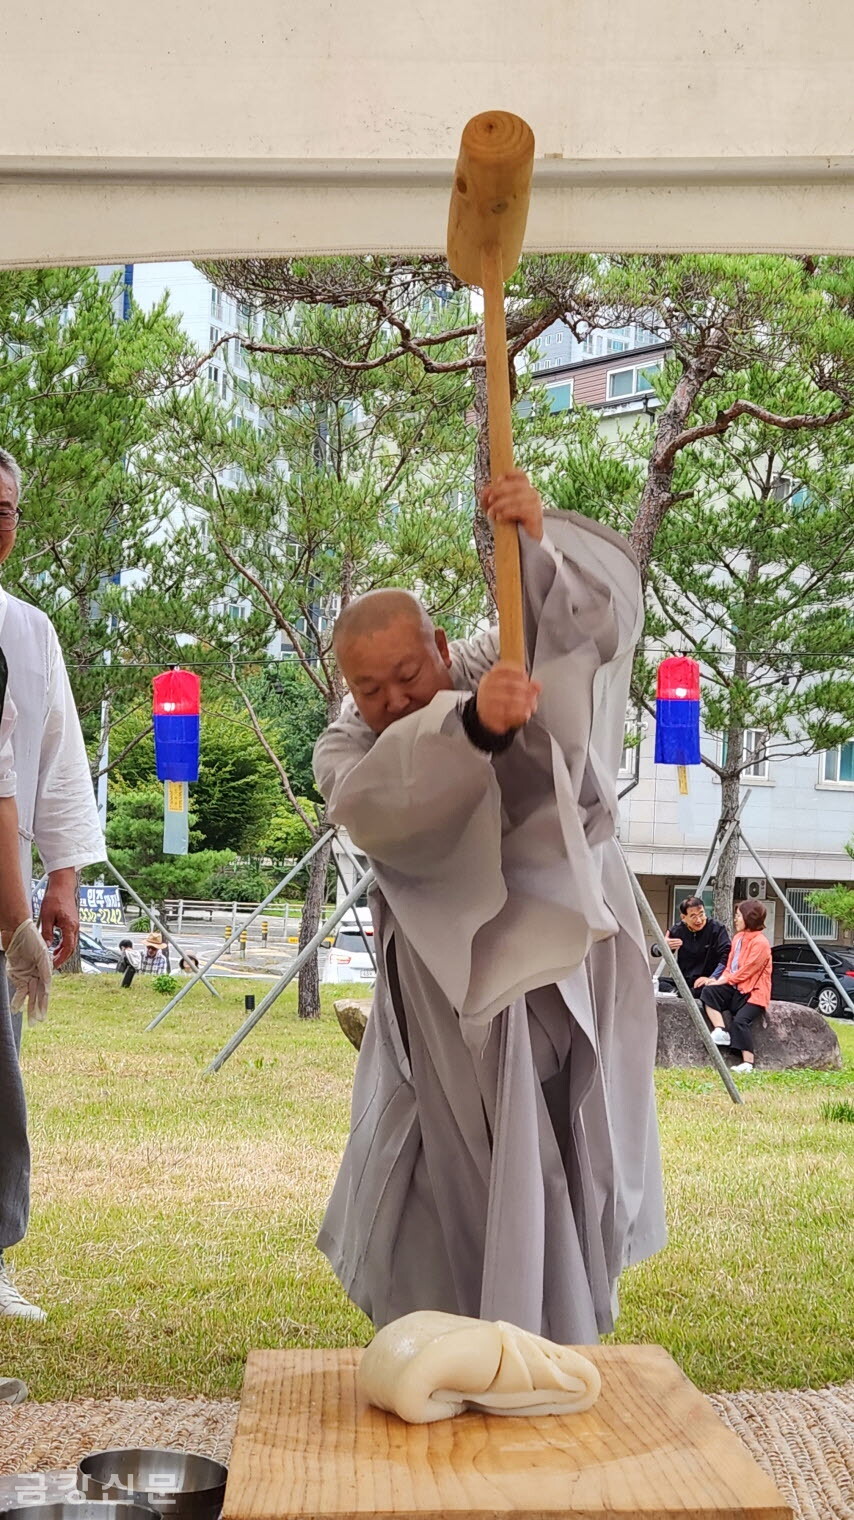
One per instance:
(744, 988)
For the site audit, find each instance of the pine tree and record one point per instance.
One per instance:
(79, 382)
(316, 484)
(752, 573)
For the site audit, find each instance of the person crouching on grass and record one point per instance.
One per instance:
(743, 989)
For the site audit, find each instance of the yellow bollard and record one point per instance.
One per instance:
(226, 934)
(264, 927)
(243, 938)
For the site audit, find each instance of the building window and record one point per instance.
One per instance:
(683, 890)
(632, 734)
(837, 765)
(642, 337)
(754, 744)
(560, 397)
(817, 924)
(787, 490)
(631, 382)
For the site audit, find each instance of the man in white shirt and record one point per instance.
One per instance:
(55, 801)
(28, 965)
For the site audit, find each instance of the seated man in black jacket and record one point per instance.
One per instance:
(701, 944)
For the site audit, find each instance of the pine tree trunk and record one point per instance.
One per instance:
(308, 1000)
(733, 766)
(308, 1003)
(670, 424)
(727, 865)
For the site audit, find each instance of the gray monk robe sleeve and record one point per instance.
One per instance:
(490, 866)
(425, 807)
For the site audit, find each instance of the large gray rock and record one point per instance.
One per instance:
(792, 1036)
(353, 1016)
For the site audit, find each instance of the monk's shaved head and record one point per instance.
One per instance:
(391, 656)
(367, 614)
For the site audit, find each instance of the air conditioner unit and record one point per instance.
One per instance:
(755, 888)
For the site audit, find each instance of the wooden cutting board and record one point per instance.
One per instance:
(307, 1448)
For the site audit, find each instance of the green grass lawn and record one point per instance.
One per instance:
(174, 1215)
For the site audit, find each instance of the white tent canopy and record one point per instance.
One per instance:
(173, 129)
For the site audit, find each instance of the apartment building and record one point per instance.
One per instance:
(207, 314)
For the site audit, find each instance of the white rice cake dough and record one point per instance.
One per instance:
(430, 1366)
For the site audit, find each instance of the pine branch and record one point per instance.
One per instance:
(738, 409)
(105, 769)
(271, 753)
(278, 616)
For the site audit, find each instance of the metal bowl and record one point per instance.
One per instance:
(26, 1489)
(80, 1509)
(177, 1484)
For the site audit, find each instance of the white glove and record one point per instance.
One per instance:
(30, 967)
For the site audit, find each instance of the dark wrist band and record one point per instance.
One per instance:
(478, 734)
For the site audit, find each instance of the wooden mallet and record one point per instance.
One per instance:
(486, 228)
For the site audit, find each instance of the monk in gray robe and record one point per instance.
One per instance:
(503, 1155)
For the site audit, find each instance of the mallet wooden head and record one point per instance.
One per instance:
(492, 189)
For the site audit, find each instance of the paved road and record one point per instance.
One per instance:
(203, 939)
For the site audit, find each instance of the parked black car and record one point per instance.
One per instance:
(97, 957)
(797, 976)
(93, 955)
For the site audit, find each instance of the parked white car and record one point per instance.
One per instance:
(348, 960)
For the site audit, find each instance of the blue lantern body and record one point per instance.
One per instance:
(677, 712)
(177, 725)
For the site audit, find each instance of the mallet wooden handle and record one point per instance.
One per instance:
(508, 571)
(486, 227)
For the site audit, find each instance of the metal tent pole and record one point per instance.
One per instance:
(734, 823)
(778, 890)
(267, 1002)
(369, 949)
(709, 867)
(236, 933)
(687, 996)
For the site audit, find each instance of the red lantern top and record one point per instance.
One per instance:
(678, 680)
(176, 693)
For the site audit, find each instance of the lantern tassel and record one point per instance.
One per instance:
(682, 773)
